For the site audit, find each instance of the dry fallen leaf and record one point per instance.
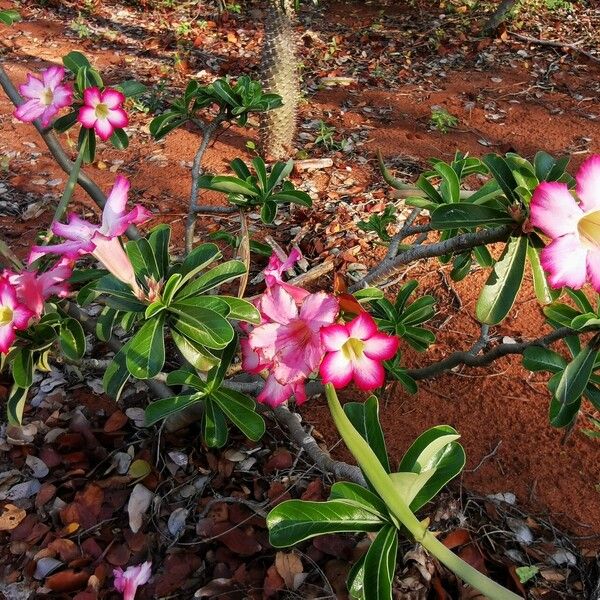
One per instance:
(11, 516)
(138, 504)
(289, 566)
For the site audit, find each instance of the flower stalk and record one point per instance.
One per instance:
(398, 508)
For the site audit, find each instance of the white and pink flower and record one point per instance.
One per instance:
(275, 269)
(102, 241)
(573, 255)
(34, 288)
(44, 96)
(356, 351)
(14, 315)
(102, 111)
(128, 581)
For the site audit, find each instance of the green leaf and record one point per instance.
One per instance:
(581, 300)
(75, 61)
(142, 258)
(22, 367)
(503, 284)
(223, 90)
(292, 196)
(228, 185)
(163, 408)
(543, 163)
(72, 339)
(118, 294)
(165, 123)
(380, 565)
(215, 277)
(434, 450)
(268, 212)
(240, 168)
(364, 416)
(542, 289)
(563, 415)
(503, 175)
(526, 573)
(105, 323)
(467, 215)
(423, 184)
(536, 358)
(241, 310)
(119, 139)
(196, 354)
(146, 352)
(172, 285)
(65, 122)
(131, 88)
(159, 239)
(15, 405)
(344, 490)
(561, 314)
(293, 521)
(450, 186)
(576, 375)
(198, 259)
(259, 166)
(116, 374)
(279, 172)
(241, 411)
(217, 373)
(214, 425)
(203, 326)
(8, 17)
(87, 137)
(184, 377)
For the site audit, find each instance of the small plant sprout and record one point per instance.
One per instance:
(442, 120)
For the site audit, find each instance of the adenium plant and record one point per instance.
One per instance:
(291, 340)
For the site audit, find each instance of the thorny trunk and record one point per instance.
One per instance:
(279, 75)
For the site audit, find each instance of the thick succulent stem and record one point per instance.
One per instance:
(279, 75)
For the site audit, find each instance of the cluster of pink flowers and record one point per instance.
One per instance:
(22, 297)
(46, 94)
(298, 336)
(102, 241)
(573, 255)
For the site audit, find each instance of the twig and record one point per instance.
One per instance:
(390, 266)
(59, 154)
(486, 457)
(244, 252)
(555, 44)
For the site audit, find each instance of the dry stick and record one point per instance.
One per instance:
(390, 266)
(555, 44)
(59, 154)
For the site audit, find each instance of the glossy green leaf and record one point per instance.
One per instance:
(503, 283)
(561, 314)
(72, 339)
(146, 352)
(15, 405)
(22, 367)
(296, 520)
(380, 565)
(466, 215)
(214, 425)
(202, 326)
(74, 61)
(198, 259)
(131, 88)
(279, 172)
(503, 175)
(536, 358)
(268, 212)
(142, 258)
(293, 197)
(105, 323)
(576, 375)
(450, 186)
(227, 185)
(563, 415)
(217, 373)
(116, 374)
(163, 408)
(241, 310)
(544, 293)
(118, 294)
(217, 276)
(364, 416)
(119, 139)
(345, 490)
(197, 355)
(241, 411)
(159, 239)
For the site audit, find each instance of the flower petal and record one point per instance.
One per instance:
(118, 117)
(369, 374)
(52, 76)
(252, 361)
(333, 337)
(8, 294)
(278, 306)
(565, 261)
(63, 96)
(21, 316)
(92, 97)
(76, 229)
(111, 254)
(32, 88)
(103, 129)
(362, 327)
(593, 268)
(588, 183)
(554, 210)
(70, 249)
(29, 111)
(274, 393)
(381, 346)
(319, 309)
(48, 114)
(87, 116)
(112, 98)
(114, 209)
(7, 337)
(264, 337)
(336, 369)
(299, 390)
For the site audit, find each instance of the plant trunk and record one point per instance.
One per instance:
(279, 75)
(498, 16)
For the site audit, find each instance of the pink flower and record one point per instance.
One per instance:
(45, 95)
(275, 270)
(34, 288)
(102, 111)
(275, 393)
(356, 351)
(127, 581)
(290, 341)
(13, 315)
(573, 255)
(102, 241)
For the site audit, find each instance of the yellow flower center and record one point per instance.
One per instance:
(353, 349)
(6, 315)
(102, 111)
(588, 228)
(47, 97)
